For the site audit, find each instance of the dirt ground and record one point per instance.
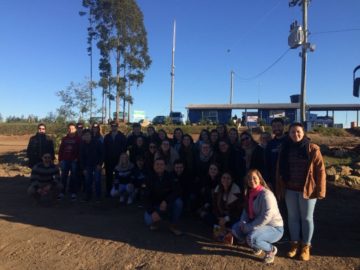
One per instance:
(108, 236)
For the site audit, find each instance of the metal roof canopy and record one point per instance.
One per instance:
(276, 106)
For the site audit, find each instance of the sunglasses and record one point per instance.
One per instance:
(244, 139)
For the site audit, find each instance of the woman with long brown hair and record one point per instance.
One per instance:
(261, 223)
(302, 180)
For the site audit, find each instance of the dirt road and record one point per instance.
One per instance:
(107, 236)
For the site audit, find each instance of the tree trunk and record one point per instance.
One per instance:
(124, 109)
(109, 102)
(102, 107)
(105, 108)
(129, 104)
(117, 85)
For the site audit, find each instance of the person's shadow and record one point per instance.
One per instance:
(337, 222)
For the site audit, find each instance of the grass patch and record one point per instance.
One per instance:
(334, 161)
(331, 132)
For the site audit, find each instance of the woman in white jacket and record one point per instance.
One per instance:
(260, 224)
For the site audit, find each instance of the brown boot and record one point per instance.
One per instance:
(305, 252)
(294, 249)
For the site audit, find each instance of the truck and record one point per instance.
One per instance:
(176, 118)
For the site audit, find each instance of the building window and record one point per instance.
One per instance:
(211, 116)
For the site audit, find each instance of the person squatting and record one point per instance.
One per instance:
(240, 188)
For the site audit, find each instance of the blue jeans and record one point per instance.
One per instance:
(91, 175)
(66, 167)
(173, 210)
(260, 238)
(123, 190)
(300, 216)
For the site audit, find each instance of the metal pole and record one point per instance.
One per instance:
(231, 86)
(91, 68)
(303, 62)
(172, 69)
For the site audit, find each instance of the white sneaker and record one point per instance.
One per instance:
(257, 252)
(270, 256)
(122, 199)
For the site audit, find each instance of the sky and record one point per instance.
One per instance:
(43, 48)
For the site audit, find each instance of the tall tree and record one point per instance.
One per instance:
(91, 34)
(119, 28)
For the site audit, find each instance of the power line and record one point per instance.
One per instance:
(266, 69)
(256, 24)
(336, 31)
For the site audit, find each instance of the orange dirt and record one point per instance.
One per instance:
(107, 236)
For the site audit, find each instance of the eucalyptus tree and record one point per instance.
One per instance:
(122, 41)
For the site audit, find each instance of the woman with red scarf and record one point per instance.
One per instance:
(261, 223)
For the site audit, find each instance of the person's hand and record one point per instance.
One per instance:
(155, 217)
(163, 206)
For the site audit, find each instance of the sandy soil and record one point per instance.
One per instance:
(107, 236)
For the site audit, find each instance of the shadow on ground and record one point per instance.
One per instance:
(336, 234)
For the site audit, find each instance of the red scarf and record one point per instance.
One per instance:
(252, 195)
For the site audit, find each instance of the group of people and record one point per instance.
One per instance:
(231, 181)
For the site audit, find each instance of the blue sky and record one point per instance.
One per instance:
(43, 49)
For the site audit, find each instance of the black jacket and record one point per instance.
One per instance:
(113, 148)
(39, 144)
(91, 154)
(160, 188)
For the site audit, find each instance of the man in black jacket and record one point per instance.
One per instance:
(162, 198)
(114, 145)
(91, 159)
(39, 144)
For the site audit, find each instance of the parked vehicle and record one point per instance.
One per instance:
(176, 118)
(159, 120)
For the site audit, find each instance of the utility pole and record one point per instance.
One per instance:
(173, 68)
(304, 62)
(231, 86)
(91, 65)
(299, 37)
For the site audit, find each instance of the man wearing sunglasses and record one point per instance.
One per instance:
(39, 144)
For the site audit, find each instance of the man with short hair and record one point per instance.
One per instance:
(162, 196)
(114, 145)
(91, 159)
(39, 144)
(68, 158)
(79, 129)
(45, 178)
(271, 160)
(136, 132)
(272, 151)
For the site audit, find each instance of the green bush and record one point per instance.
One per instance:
(331, 132)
